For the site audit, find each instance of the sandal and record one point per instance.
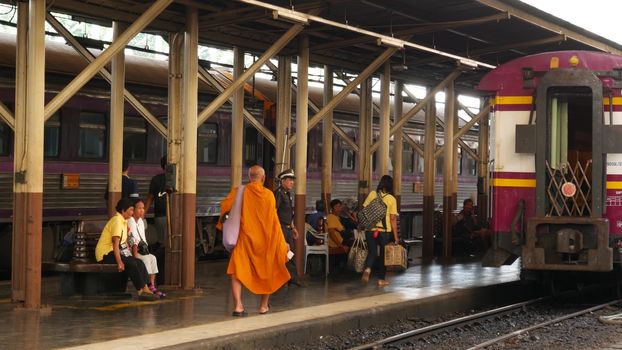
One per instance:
(365, 277)
(383, 283)
(157, 292)
(242, 313)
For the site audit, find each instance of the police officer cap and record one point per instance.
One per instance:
(287, 173)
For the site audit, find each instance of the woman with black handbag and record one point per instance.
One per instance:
(383, 232)
(139, 245)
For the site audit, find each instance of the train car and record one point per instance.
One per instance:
(76, 142)
(556, 145)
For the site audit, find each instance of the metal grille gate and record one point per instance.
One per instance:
(577, 204)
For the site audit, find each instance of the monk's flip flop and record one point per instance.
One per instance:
(242, 313)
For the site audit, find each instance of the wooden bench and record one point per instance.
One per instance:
(83, 275)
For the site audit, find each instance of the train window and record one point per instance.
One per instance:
(135, 139)
(208, 143)
(250, 146)
(419, 164)
(347, 157)
(408, 160)
(5, 139)
(51, 136)
(92, 135)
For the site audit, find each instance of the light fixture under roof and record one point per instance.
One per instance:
(290, 16)
(391, 42)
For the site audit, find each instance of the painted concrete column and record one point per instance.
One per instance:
(28, 154)
(302, 130)
(364, 157)
(237, 121)
(327, 140)
(189, 147)
(115, 135)
(172, 242)
(429, 173)
(448, 168)
(385, 120)
(283, 114)
(456, 162)
(398, 145)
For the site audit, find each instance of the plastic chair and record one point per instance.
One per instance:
(321, 249)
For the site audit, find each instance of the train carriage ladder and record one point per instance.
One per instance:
(569, 189)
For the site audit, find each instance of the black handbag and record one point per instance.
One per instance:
(143, 248)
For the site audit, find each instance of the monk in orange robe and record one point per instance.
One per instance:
(258, 260)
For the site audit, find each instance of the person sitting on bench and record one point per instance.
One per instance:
(339, 240)
(471, 228)
(112, 248)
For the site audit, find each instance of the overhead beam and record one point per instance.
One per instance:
(348, 89)
(428, 28)
(430, 96)
(81, 79)
(345, 26)
(472, 153)
(556, 28)
(239, 82)
(107, 75)
(357, 91)
(7, 116)
(205, 75)
(498, 48)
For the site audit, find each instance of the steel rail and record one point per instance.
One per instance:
(540, 325)
(448, 324)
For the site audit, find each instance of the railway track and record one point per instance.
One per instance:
(405, 338)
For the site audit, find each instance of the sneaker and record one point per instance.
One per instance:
(365, 277)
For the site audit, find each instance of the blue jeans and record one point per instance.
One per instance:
(375, 257)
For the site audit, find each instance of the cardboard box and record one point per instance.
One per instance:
(395, 258)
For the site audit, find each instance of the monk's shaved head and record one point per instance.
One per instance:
(256, 174)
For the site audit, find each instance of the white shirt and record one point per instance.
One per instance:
(137, 231)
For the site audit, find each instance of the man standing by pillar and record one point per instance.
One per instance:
(285, 212)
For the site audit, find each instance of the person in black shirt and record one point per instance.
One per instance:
(129, 187)
(157, 196)
(285, 212)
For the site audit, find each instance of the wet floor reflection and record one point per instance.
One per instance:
(77, 321)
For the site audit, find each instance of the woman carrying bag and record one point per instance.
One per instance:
(384, 232)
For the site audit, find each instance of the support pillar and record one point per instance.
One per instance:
(115, 137)
(283, 114)
(18, 264)
(172, 242)
(327, 141)
(302, 130)
(237, 121)
(364, 157)
(456, 163)
(398, 145)
(482, 170)
(28, 155)
(189, 147)
(448, 169)
(429, 171)
(385, 120)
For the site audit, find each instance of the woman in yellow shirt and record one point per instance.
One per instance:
(386, 230)
(112, 248)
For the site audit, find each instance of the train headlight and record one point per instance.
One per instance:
(574, 61)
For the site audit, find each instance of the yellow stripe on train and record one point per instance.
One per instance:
(611, 185)
(527, 100)
(514, 182)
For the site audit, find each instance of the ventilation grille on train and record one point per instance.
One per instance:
(559, 178)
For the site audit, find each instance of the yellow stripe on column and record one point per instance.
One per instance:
(513, 100)
(514, 182)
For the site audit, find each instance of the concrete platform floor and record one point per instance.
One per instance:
(187, 316)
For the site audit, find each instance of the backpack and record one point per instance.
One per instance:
(375, 211)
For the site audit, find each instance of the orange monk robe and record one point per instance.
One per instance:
(258, 260)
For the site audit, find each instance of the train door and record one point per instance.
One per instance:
(569, 163)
